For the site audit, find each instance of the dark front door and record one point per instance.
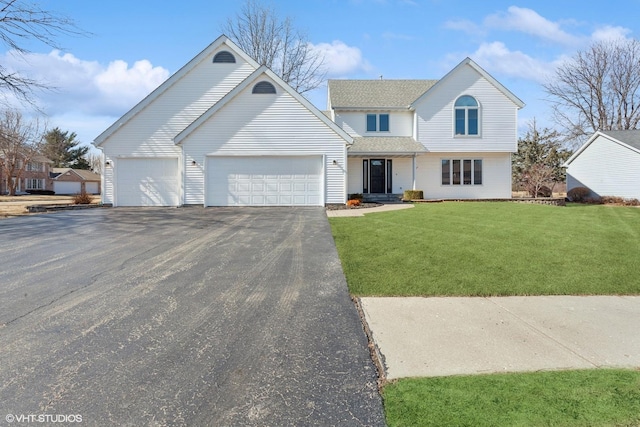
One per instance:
(377, 176)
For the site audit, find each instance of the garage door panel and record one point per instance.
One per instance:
(264, 181)
(147, 182)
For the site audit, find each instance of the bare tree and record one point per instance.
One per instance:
(274, 42)
(95, 162)
(20, 21)
(598, 89)
(20, 143)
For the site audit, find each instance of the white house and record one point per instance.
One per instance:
(608, 164)
(223, 131)
(451, 138)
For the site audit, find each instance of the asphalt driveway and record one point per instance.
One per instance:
(187, 316)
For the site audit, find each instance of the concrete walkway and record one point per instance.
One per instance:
(362, 212)
(451, 336)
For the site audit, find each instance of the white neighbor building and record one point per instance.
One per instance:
(223, 131)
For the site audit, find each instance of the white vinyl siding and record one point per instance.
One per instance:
(607, 168)
(496, 177)
(152, 129)
(264, 181)
(264, 125)
(497, 121)
(147, 182)
(355, 123)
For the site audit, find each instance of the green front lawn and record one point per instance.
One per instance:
(492, 248)
(606, 397)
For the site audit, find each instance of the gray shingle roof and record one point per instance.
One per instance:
(385, 145)
(629, 137)
(376, 93)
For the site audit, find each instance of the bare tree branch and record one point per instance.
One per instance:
(20, 21)
(274, 42)
(598, 89)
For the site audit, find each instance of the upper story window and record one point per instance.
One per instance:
(264, 87)
(377, 122)
(466, 115)
(224, 57)
(35, 167)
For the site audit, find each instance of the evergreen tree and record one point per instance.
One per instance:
(62, 148)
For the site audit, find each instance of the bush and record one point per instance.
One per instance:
(578, 194)
(355, 196)
(413, 195)
(353, 202)
(544, 191)
(615, 200)
(82, 199)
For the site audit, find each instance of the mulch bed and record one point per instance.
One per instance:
(362, 206)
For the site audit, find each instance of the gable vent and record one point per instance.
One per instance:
(264, 87)
(224, 57)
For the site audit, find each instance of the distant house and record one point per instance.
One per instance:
(73, 181)
(35, 177)
(608, 164)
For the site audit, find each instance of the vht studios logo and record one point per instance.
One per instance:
(43, 418)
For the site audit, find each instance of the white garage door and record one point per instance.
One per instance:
(66, 187)
(147, 182)
(92, 187)
(264, 181)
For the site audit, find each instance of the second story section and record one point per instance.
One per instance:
(465, 111)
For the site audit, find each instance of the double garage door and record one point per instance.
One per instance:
(264, 181)
(230, 181)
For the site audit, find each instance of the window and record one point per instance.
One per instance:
(264, 87)
(461, 171)
(35, 167)
(377, 122)
(466, 116)
(224, 57)
(34, 184)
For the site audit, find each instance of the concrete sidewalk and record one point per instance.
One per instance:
(361, 212)
(452, 336)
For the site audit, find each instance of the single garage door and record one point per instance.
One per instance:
(92, 187)
(264, 181)
(66, 187)
(147, 182)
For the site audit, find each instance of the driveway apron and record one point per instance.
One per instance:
(188, 316)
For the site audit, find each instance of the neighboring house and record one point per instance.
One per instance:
(608, 164)
(34, 177)
(451, 138)
(74, 181)
(224, 131)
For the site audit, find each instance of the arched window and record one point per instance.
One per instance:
(224, 57)
(466, 116)
(264, 87)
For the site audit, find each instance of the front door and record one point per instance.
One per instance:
(377, 176)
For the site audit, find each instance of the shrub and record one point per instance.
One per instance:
(413, 195)
(353, 202)
(82, 199)
(632, 202)
(578, 194)
(355, 196)
(544, 191)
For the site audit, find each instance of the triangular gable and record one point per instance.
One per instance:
(591, 140)
(469, 62)
(246, 83)
(222, 40)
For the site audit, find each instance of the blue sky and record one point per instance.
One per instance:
(135, 45)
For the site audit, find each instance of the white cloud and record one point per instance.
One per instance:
(610, 33)
(341, 59)
(497, 58)
(87, 86)
(528, 21)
